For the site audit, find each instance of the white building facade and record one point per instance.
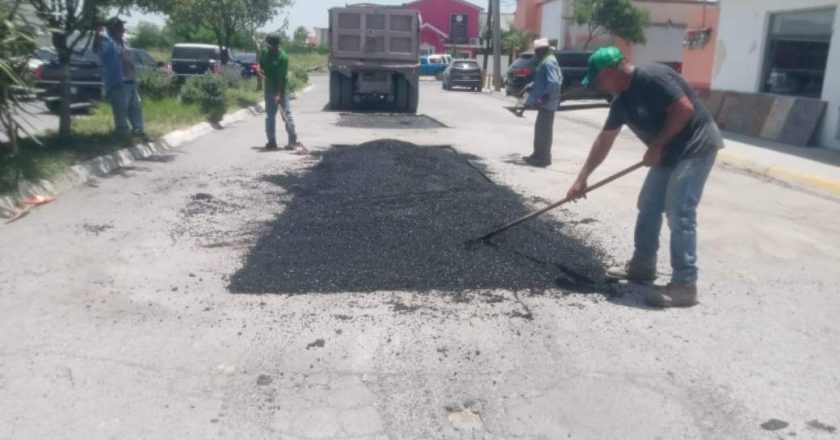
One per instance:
(783, 47)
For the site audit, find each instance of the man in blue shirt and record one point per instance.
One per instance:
(118, 72)
(544, 96)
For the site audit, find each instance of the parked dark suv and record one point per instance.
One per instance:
(249, 64)
(85, 78)
(462, 73)
(519, 74)
(573, 63)
(195, 59)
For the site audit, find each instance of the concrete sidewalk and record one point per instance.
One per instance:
(811, 168)
(806, 167)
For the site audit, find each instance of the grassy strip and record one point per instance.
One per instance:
(159, 54)
(306, 61)
(93, 135)
(303, 60)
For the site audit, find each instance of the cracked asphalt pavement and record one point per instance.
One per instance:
(220, 291)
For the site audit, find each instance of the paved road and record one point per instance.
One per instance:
(37, 119)
(121, 317)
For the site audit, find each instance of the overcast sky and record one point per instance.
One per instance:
(311, 13)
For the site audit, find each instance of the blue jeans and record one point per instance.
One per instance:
(271, 117)
(676, 191)
(135, 108)
(117, 98)
(126, 107)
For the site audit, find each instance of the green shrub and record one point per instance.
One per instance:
(231, 77)
(155, 85)
(208, 91)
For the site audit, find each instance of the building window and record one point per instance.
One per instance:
(797, 52)
(426, 49)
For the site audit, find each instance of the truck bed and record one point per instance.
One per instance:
(375, 33)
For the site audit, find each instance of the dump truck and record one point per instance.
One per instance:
(374, 57)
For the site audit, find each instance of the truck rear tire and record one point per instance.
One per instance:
(400, 93)
(335, 90)
(346, 92)
(413, 97)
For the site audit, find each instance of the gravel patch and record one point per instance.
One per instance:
(392, 216)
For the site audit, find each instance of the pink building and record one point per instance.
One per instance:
(449, 26)
(528, 16)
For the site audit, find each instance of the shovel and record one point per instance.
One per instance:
(488, 236)
(518, 109)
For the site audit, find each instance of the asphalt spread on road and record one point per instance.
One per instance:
(393, 216)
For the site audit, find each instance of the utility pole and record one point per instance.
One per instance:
(485, 40)
(497, 46)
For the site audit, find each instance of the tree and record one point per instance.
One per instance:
(515, 42)
(616, 17)
(301, 36)
(224, 18)
(150, 35)
(71, 24)
(15, 48)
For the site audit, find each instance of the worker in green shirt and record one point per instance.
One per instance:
(274, 63)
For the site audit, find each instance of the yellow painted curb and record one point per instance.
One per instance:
(779, 173)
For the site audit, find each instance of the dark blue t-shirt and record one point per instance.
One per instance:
(643, 107)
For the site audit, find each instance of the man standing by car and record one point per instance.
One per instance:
(274, 63)
(682, 140)
(119, 73)
(545, 97)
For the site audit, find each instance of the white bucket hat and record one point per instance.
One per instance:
(541, 43)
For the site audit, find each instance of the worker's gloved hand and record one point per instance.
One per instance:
(578, 190)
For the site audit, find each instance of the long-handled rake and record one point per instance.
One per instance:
(488, 236)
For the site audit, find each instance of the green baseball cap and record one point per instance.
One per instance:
(601, 59)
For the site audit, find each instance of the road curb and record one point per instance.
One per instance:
(781, 174)
(103, 165)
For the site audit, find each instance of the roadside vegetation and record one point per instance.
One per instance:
(167, 105)
(166, 108)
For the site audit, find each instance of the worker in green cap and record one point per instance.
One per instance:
(274, 64)
(682, 143)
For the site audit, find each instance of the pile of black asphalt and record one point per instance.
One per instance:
(393, 216)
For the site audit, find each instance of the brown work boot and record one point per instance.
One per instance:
(627, 272)
(673, 295)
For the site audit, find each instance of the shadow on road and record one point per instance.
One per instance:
(388, 215)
